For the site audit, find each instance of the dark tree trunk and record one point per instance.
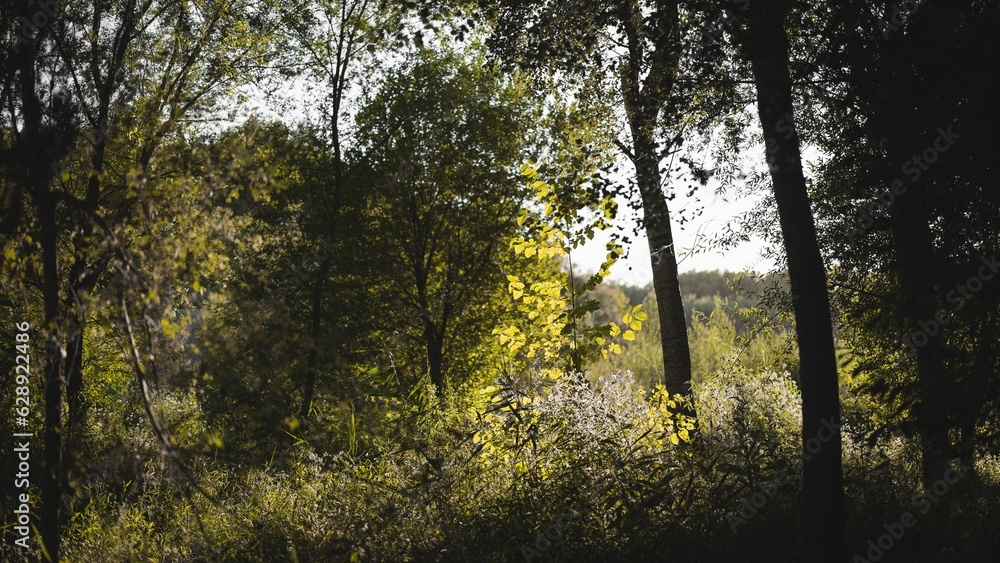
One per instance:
(74, 375)
(435, 359)
(326, 266)
(915, 265)
(83, 281)
(84, 274)
(37, 156)
(315, 333)
(343, 59)
(54, 382)
(967, 449)
(824, 508)
(914, 248)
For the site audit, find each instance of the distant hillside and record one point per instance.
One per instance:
(698, 291)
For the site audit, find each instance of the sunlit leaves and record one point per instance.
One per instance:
(567, 211)
(515, 287)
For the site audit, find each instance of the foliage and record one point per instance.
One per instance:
(205, 204)
(552, 309)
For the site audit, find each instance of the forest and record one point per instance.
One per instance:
(351, 280)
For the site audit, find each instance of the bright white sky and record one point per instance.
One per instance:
(718, 212)
(636, 270)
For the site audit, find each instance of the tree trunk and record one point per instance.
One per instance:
(83, 277)
(83, 281)
(914, 247)
(643, 99)
(824, 508)
(54, 382)
(37, 154)
(914, 264)
(74, 376)
(326, 266)
(666, 286)
(435, 358)
(315, 332)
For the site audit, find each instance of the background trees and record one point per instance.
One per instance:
(64, 86)
(440, 139)
(898, 216)
(308, 277)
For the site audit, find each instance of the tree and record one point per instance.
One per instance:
(766, 46)
(58, 177)
(442, 139)
(333, 37)
(905, 232)
(643, 44)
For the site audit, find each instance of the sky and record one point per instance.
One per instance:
(719, 210)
